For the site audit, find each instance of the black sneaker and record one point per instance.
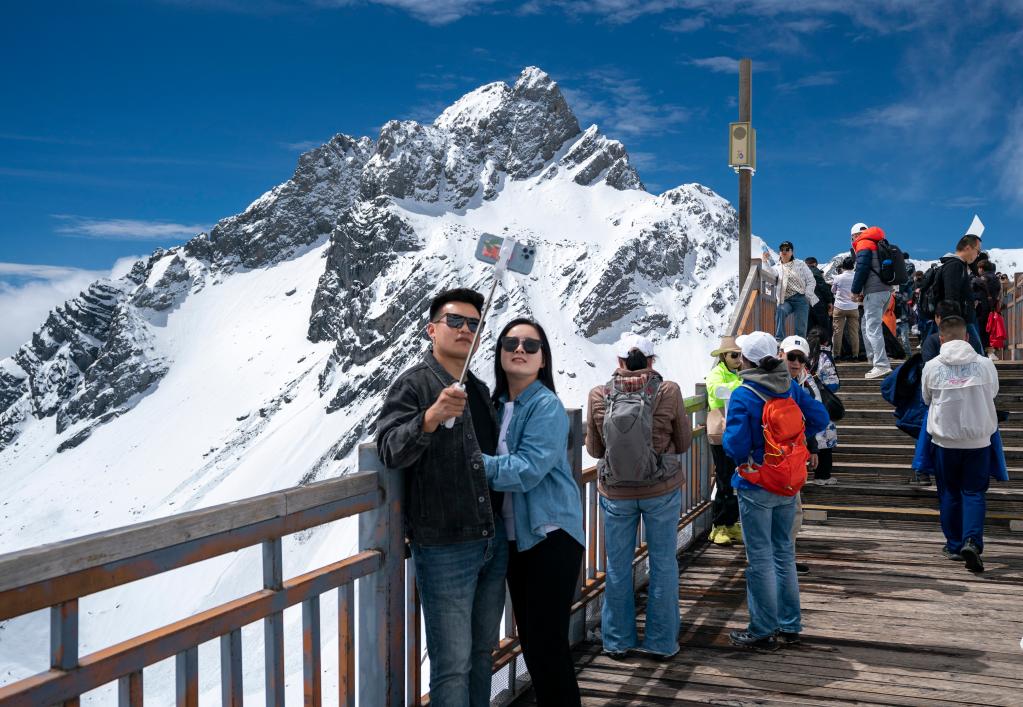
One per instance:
(971, 555)
(614, 655)
(949, 555)
(802, 568)
(789, 638)
(745, 639)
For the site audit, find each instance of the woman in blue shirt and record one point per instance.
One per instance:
(542, 507)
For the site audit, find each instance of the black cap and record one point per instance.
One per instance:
(786, 244)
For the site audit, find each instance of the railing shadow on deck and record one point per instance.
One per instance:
(386, 612)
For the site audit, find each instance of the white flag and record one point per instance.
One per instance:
(976, 228)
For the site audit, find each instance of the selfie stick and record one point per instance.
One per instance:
(507, 248)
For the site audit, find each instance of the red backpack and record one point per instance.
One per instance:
(785, 454)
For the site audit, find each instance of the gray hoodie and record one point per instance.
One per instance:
(776, 382)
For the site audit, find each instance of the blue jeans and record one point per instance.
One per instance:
(772, 588)
(618, 615)
(462, 590)
(962, 477)
(796, 305)
(873, 333)
(974, 333)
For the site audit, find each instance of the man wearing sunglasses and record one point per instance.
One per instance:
(460, 554)
(795, 291)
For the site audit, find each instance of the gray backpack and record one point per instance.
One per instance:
(629, 456)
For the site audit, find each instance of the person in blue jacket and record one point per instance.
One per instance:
(772, 588)
(542, 510)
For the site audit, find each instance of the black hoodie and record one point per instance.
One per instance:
(957, 287)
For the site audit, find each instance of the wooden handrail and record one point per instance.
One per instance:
(57, 575)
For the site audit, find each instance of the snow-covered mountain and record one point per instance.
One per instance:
(255, 356)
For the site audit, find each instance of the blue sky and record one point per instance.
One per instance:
(130, 125)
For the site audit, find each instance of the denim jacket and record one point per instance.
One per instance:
(536, 470)
(447, 499)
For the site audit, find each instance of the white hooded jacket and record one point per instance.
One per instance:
(960, 387)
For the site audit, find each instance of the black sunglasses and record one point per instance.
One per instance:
(733, 354)
(511, 343)
(796, 356)
(457, 321)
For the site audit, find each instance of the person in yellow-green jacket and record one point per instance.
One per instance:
(721, 381)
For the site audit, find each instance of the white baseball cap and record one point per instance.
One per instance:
(795, 343)
(857, 227)
(757, 346)
(631, 340)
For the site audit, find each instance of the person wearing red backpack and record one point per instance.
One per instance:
(769, 417)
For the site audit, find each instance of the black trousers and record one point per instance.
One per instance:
(825, 457)
(542, 583)
(725, 509)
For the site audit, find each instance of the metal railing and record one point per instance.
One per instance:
(389, 637)
(1012, 312)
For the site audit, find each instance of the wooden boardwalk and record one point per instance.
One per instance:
(887, 621)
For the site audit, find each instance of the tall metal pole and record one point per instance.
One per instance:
(745, 175)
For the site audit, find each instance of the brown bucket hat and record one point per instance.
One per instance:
(727, 344)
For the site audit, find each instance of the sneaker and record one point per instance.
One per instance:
(654, 655)
(789, 638)
(719, 536)
(802, 568)
(735, 533)
(745, 639)
(877, 372)
(920, 479)
(949, 555)
(830, 481)
(971, 554)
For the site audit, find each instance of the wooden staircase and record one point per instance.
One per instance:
(873, 460)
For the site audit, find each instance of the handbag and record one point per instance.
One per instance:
(834, 405)
(716, 425)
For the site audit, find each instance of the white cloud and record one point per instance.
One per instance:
(302, 145)
(125, 229)
(718, 64)
(29, 292)
(620, 105)
(1009, 158)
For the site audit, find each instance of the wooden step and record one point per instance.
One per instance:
(1000, 498)
(898, 469)
(853, 431)
(1012, 401)
(857, 384)
(852, 451)
(925, 515)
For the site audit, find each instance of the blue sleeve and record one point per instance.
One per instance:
(544, 439)
(931, 347)
(738, 437)
(864, 261)
(816, 414)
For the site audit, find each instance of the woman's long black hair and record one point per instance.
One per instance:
(546, 374)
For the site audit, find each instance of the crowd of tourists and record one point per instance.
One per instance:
(491, 503)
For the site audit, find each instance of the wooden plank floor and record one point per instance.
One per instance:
(887, 621)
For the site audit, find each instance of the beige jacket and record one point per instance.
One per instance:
(673, 433)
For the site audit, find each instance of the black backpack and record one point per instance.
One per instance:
(931, 291)
(892, 262)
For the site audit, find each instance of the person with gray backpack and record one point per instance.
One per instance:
(637, 429)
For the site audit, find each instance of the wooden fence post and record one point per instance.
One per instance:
(381, 609)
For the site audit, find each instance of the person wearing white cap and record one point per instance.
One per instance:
(797, 355)
(637, 429)
(772, 587)
(868, 288)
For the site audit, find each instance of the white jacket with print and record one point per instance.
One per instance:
(800, 270)
(960, 387)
